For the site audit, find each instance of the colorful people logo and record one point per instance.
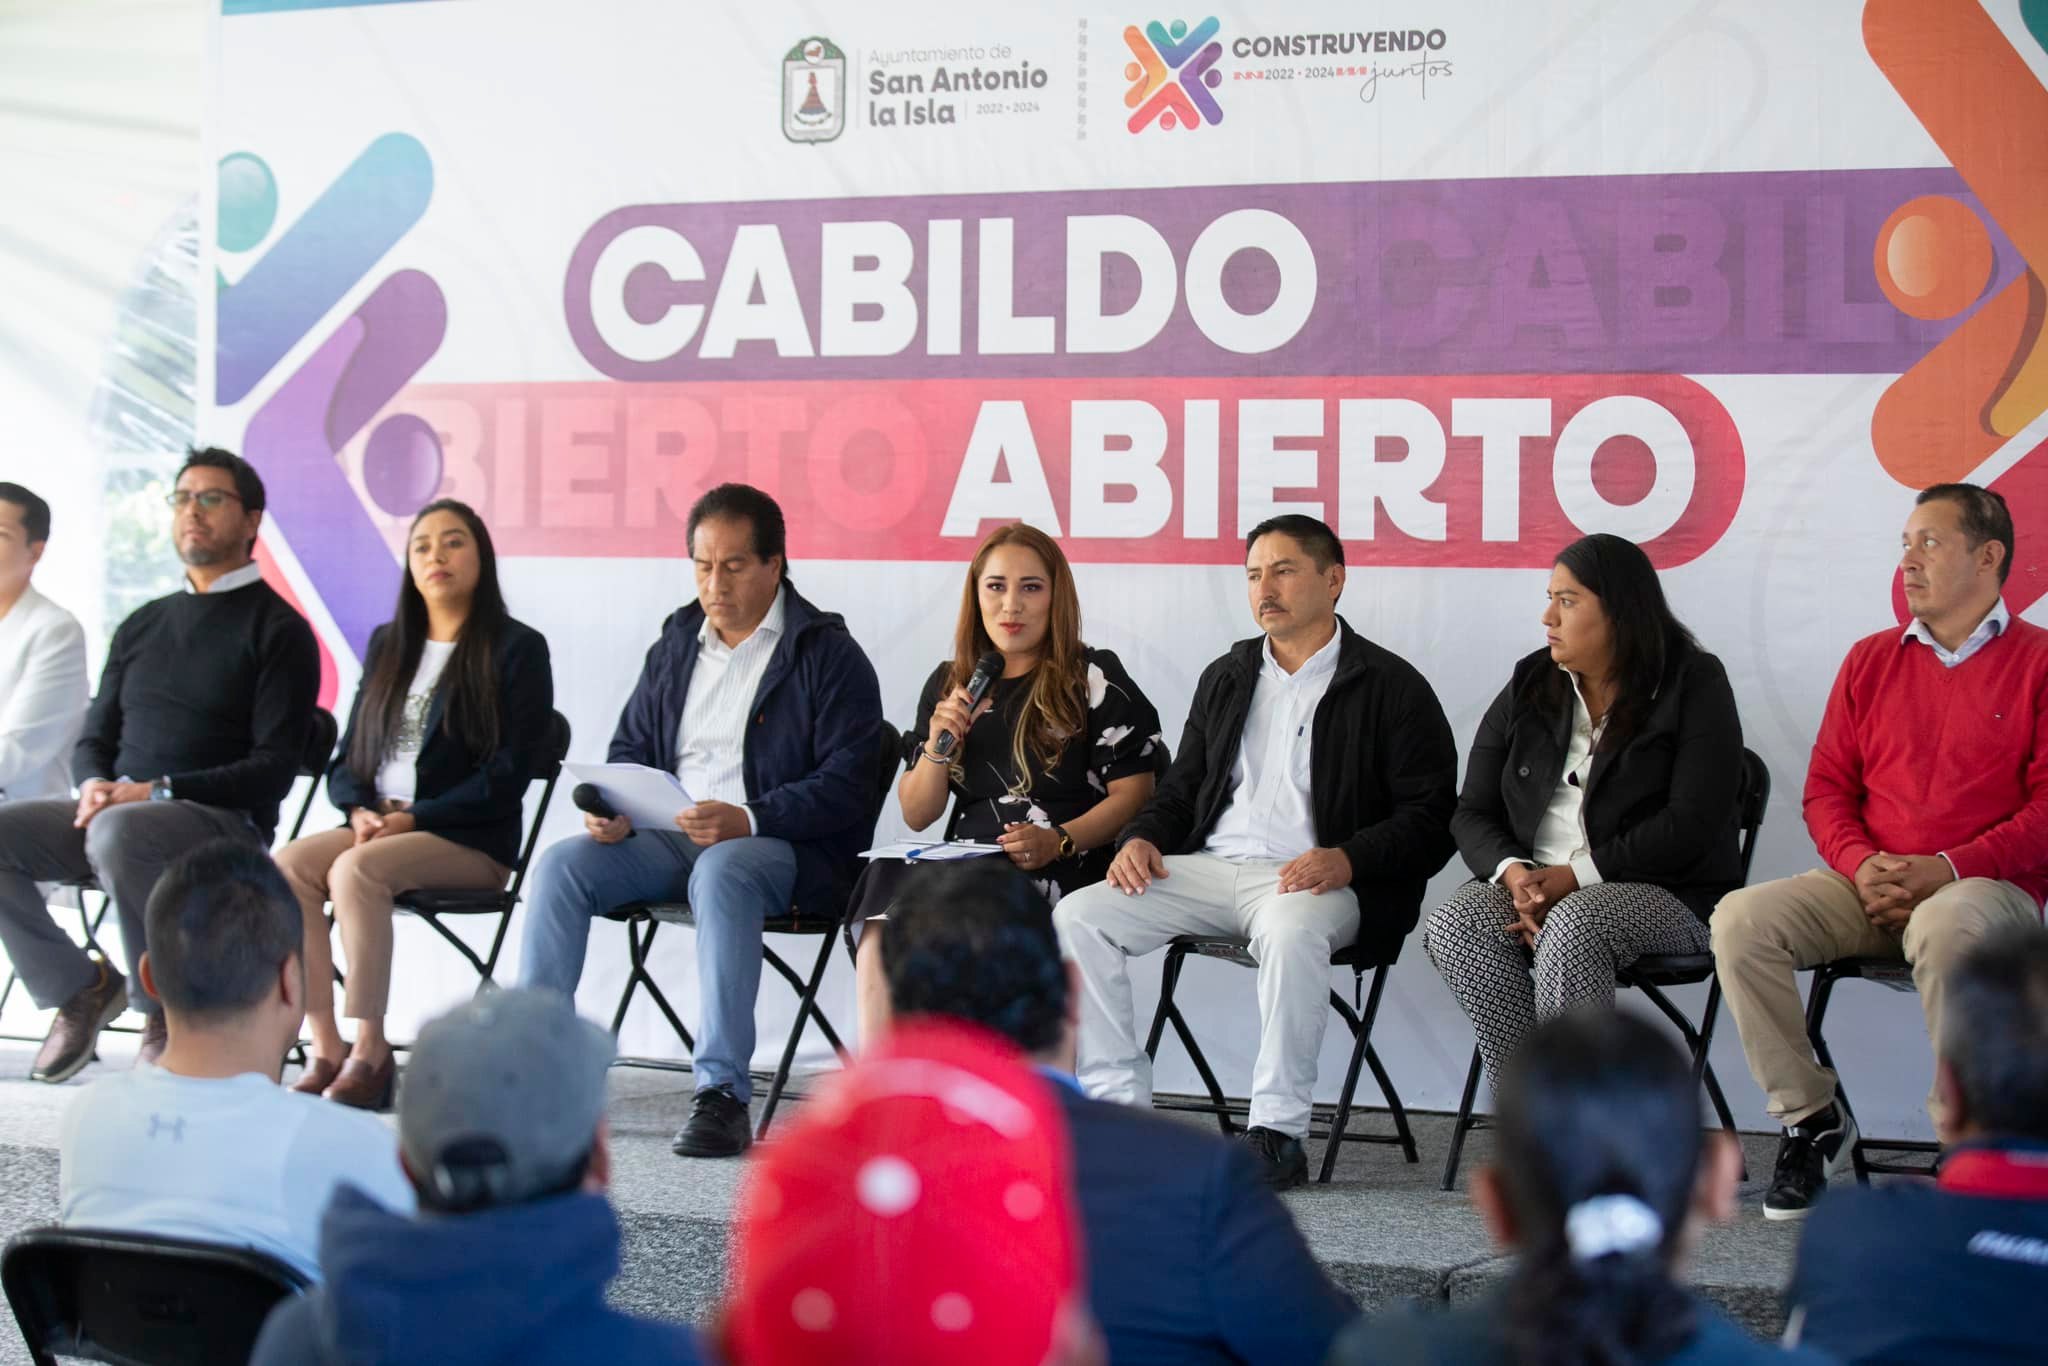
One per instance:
(296, 436)
(1174, 74)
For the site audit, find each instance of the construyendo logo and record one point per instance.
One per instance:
(1354, 43)
(1174, 76)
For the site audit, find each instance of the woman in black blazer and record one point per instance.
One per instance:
(456, 697)
(1599, 810)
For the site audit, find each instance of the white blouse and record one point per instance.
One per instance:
(1561, 834)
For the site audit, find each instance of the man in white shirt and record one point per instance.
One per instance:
(205, 1144)
(1308, 805)
(769, 713)
(43, 686)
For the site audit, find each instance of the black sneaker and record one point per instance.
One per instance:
(719, 1126)
(1816, 1148)
(1282, 1162)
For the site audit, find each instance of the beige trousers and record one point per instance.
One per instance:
(362, 880)
(1764, 934)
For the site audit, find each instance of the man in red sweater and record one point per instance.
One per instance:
(1927, 797)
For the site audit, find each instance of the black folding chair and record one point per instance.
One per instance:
(319, 745)
(1896, 974)
(1649, 975)
(643, 918)
(135, 1299)
(430, 906)
(1358, 1020)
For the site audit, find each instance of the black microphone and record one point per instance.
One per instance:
(587, 798)
(987, 670)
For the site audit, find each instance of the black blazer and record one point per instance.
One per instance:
(1191, 1258)
(1663, 808)
(462, 796)
(1383, 775)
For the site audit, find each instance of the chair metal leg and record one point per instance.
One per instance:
(1463, 1123)
(638, 976)
(1218, 1102)
(770, 959)
(1363, 1053)
(1360, 1039)
(1394, 1106)
(634, 952)
(1169, 1013)
(1169, 979)
(806, 1008)
(490, 967)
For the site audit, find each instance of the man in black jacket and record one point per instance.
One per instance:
(1191, 1260)
(197, 731)
(1308, 805)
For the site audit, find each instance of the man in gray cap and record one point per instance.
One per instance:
(501, 1129)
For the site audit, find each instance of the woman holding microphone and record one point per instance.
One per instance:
(1058, 753)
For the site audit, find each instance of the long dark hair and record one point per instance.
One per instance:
(1597, 1103)
(469, 683)
(1648, 637)
(1056, 708)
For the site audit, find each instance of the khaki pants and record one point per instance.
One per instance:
(362, 881)
(1764, 934)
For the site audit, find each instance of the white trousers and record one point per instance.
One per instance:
(1292, 937)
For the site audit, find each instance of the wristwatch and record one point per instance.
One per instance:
(160, 790)
(1066, 841)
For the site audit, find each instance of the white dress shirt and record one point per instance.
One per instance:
(1269, 816)
(249, 573)
(1994, 624)
(723, 685)
(1561, 834)
(43, 695)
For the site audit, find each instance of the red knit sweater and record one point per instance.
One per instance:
(1914, 758)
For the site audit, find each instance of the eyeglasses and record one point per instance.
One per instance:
(209, 500)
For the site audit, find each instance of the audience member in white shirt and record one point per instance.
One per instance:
(206, 1144)
(43, 685)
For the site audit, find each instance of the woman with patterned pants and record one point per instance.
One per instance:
(1600, 807)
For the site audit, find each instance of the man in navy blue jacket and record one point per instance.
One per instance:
(1191, 1258)
(1957, 1270)
(769, 713)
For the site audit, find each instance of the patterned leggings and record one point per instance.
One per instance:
(1585, 939)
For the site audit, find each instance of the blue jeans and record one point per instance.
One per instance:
(732, 886)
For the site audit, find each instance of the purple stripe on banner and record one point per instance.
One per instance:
(1752, 272)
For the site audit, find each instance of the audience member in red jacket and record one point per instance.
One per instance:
(1927, 797)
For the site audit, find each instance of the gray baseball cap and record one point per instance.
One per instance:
(502, 1099)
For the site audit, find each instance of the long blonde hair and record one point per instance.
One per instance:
(1056, 708)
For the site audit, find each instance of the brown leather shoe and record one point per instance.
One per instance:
(77, 1027)
(156, 1036)
(319, 1075)
(364, 1085)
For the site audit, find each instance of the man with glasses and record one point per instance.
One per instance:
(196, 733)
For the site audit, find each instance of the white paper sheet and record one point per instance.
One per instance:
(649, 797)
(932, 851)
